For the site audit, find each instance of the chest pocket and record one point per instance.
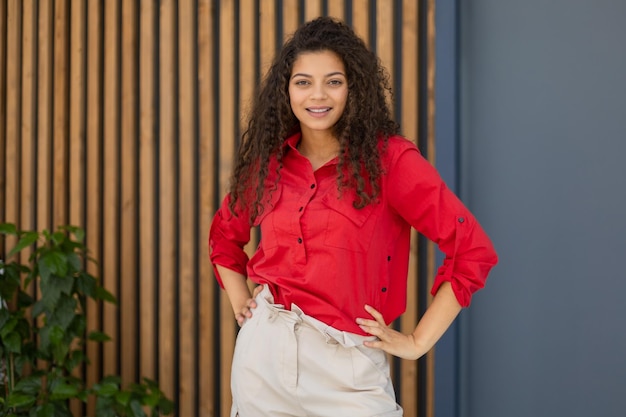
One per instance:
(266, 222)
(349, 228)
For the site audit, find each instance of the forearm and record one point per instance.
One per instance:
(438, 317)
(236, 288)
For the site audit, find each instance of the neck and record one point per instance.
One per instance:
(319, 149)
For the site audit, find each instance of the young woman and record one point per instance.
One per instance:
(335, 192)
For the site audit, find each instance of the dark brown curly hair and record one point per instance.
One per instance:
(366, 117)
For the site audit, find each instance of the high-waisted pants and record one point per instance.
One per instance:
(289, 364)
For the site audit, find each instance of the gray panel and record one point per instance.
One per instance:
(543, 167)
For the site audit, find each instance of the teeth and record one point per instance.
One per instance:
(319, 110)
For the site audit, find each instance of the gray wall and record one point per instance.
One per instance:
(543, 166)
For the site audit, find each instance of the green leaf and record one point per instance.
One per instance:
(4, 317)
(17, 400)
(104, 407)
(27, 239)
(135, 406)
(74, 261)
(64, 391)
(53, 262)
(58, 238)
(24, 299)
(8, 229)
(102, 294)
(108, 387)
(86, 284)
(55, 335)
(9, 326)
(64, 312)
(12, 342)
(45, 410)
(123, 397)
(29, 385)
(99, 336)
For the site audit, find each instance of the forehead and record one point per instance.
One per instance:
(315, 61)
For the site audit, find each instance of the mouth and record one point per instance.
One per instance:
(319, 110)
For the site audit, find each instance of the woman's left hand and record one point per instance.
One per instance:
(390, 340)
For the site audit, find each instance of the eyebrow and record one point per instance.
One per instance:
(300, 74)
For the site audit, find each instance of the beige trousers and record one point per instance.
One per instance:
(288, 364)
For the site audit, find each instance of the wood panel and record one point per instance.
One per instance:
(148, 192)
(111, 183)
(167, 199)
(94, 168)
(124, 118)
(128, 148)
(187, 218)
(207, 290)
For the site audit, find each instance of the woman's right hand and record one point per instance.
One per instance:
(246, 311)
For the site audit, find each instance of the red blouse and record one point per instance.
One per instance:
(320, 253)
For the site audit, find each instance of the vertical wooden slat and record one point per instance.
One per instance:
(206, 187)
(78, 30)
(408, 114)
(14, 113)
(337, 9)
(167, 204)
(227, 134)
(60, 112)
(128, 216)
(384, 36)
(28, 162)
(147, 190)
(312, 9)
(430, 91)
(360, 19)
(3, 108)
(187, 209)
(94, 202)
(111, 172)
(267, 35)
(290, 17)
(44, 116)
(247, 59)
(76, 160)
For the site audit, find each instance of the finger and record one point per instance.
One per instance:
(374, 313)
(374, 344)
(367, 322)
(257, 290)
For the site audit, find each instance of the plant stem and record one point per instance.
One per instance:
(11, 373)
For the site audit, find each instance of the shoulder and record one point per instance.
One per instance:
(395, 146)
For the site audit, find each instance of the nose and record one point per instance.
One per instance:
(318, 91)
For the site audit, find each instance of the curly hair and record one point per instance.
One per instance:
(366, 117)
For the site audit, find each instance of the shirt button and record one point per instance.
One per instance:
(461, 219)
(388, 258)
(384, 289)
(301, 208)
(299, 240)
(312, 186)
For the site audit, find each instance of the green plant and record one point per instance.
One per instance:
(42, 341)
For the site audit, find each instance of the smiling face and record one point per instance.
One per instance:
(318, 91)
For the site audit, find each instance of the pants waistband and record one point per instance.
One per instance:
(265, 300)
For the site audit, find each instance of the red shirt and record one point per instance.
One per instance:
(331, 259)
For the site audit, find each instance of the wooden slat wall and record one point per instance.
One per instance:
(124, 117)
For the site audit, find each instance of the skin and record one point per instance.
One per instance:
(318, 92)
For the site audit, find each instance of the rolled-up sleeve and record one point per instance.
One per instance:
(227, 237)
(419, 195)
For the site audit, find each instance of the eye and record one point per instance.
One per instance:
(335, 82)
(301, 82)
